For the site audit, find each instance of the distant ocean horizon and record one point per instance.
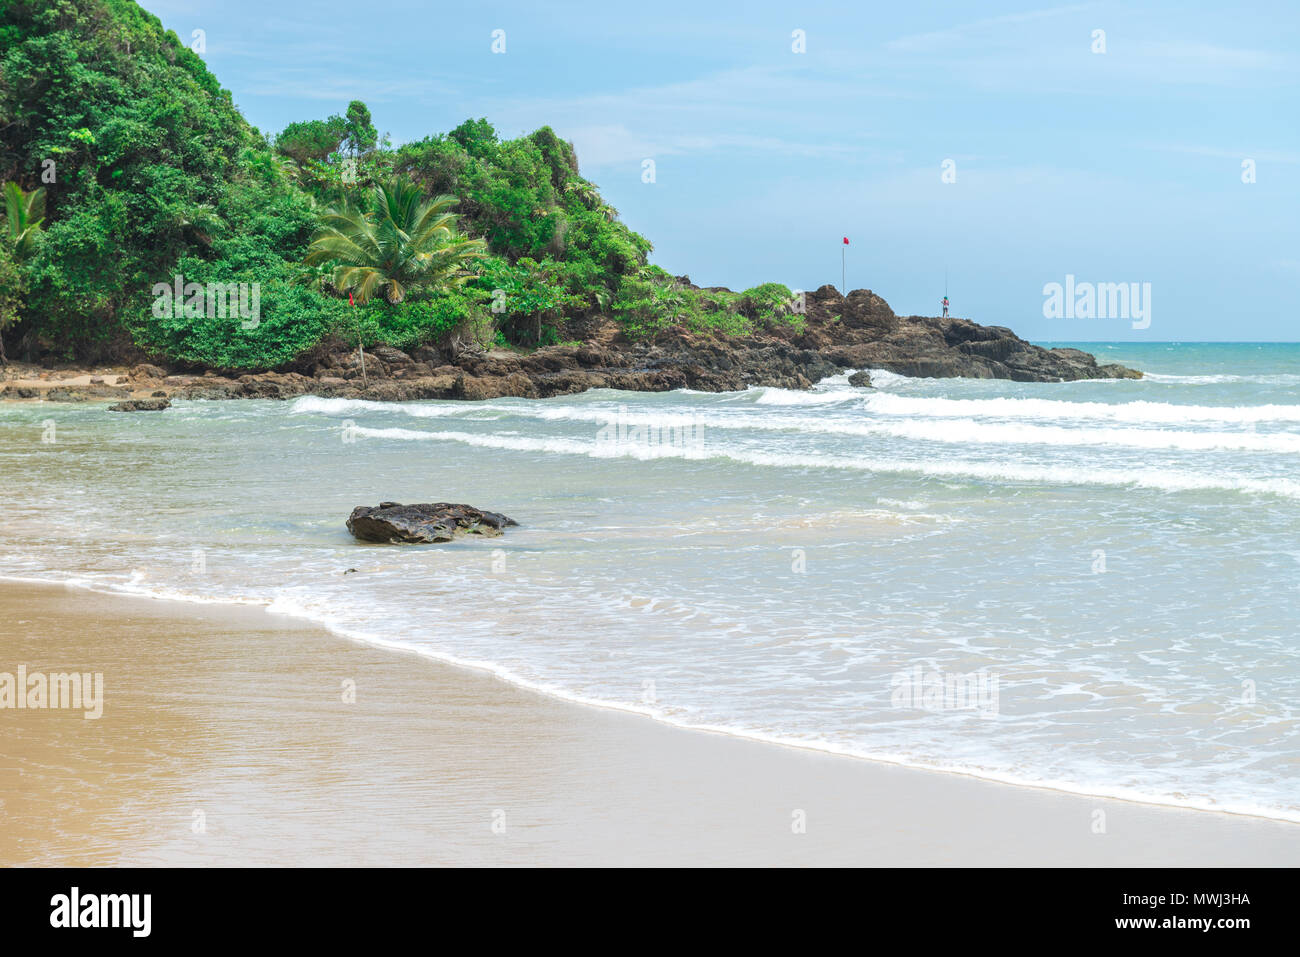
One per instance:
(1090, 586)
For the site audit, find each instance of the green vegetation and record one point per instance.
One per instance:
(653, 301)
(399, 245)
(12, 290)
(24, 214)
(126, 165)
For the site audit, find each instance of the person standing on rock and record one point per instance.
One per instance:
(945, 307)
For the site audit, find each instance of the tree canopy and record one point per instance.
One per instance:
(126, 164)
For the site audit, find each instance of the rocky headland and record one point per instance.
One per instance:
(836, 334)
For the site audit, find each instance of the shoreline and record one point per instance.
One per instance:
(937, 810)
(510, 678)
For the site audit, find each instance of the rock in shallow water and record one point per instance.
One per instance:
(860, 380)
(140, 405)
(423, 524)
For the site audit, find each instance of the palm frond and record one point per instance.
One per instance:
(403, 243)
(24, 213)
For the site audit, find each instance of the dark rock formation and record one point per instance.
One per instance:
(145, 372)
(140, 405)
(861, 331)
(860, 380)
(836, 332)
(442, 522)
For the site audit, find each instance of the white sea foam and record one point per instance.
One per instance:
(767, 395)
(971, 432)
(335, 406)
(324, 613)
(1167, 480)
(949, 431)
(950, 421)
(1223, 379)
(1140, 412)
(884, 379)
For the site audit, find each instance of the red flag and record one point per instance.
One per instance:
(351, 303)
(846, 240)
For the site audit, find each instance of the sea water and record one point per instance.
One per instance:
(1090, 586)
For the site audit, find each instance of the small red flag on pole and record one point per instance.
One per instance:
(843, 268)
(846, 240)
(350, 302)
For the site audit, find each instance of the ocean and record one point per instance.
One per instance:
(1087, 586)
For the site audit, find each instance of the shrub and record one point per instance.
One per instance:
(433, 319)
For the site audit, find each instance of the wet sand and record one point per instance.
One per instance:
(236, 719)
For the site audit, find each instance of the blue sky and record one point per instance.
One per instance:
(1122, 166)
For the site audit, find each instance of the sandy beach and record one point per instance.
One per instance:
(225, 739)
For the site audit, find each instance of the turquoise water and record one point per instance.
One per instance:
(1102, 577)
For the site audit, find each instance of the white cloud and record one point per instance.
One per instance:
(1260, 156)
(756, 109)
(942, 41)
(1202, 55)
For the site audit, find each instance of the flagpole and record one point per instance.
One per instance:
(843, 270)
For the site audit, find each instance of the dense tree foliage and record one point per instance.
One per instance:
(149, 173)
(399, 245)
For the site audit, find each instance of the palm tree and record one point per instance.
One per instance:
(24, 212)
(286, 166)
(201, 220)
(586, 192)
(405, 243)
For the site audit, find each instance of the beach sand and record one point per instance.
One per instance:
(236, 718)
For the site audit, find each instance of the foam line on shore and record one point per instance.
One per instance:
(297, 611)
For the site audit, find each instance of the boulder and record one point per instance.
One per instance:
(392, 522)
(390, 356)
(146, 371)
(860, 380)
(140, 405)
(1116, 371)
